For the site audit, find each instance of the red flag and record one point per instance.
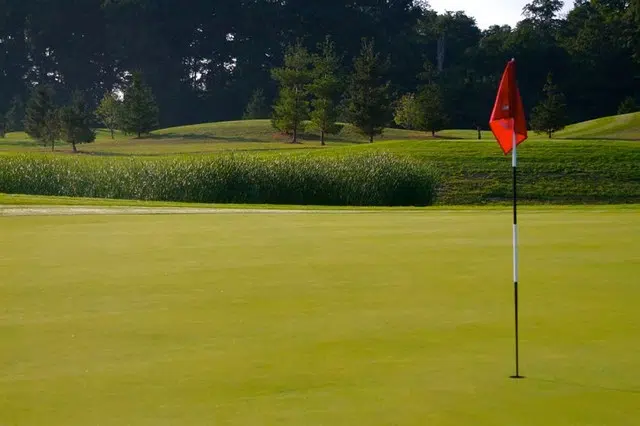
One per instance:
(508, 112)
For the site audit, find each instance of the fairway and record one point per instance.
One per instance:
(320, 318)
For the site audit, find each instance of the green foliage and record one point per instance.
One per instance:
(368, 99)
(257, 107)
(109, 112)
(41, 116)
(325, 88)
(628, 106)
(408, 113)
(432, 108)
(292, 105)
(75, 122)
(14, 116)
(375, 179)
(200, 76)
(139, 109)
(549, 115)
(422, 112)
(542, 11)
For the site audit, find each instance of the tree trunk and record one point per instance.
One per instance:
(433, 133)
(139, 134)
(53, 145)
(550, 133)
(112, 136)
(73, 145)
(295, 134)
(479, 134)
(322, 138)
(371, 138)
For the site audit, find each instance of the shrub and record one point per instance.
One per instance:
(377, 179)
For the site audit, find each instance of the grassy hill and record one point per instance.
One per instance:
(562, 170)
(626, 127)
(476, 172)
(249, 135)
(258, 135)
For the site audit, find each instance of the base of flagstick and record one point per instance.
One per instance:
(517, 377)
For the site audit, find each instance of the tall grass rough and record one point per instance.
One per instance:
(371, 179)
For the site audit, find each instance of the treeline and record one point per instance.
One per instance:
(134, 111)
(215, 59)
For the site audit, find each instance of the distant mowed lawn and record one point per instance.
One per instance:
(381, 318)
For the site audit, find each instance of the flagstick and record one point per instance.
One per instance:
(515, 250)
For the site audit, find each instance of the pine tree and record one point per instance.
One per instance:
(292, 106)
(109, 112)
(368, 100)
(15, 115)
(256, 107)
(41, 117)
(325, 88)
(139, 108)
(75, 122)
(549, 115)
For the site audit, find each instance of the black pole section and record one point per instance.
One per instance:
(515, 282)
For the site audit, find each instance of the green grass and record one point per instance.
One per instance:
(557, 171)
(248, 135)
(562, 170)
(259, 136)
(626, 127)
(343, 319)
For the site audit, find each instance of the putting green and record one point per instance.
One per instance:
(382, 318)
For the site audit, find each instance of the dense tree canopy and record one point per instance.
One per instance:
(204, 62)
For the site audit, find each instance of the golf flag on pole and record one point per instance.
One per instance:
(508, 125)
(507, 117)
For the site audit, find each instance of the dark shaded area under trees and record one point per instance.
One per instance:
(205, 62)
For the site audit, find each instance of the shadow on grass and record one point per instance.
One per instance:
(8, 143)
(196, 137)
(264, 138)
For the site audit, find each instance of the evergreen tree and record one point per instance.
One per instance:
(41, 116)
(109, 112)
(549, 115)
(257, 106)
(75, 122)
(139, 109)
(292, 106)
(325, 89)
(368, 100)
(15, 115)
(628, 106)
